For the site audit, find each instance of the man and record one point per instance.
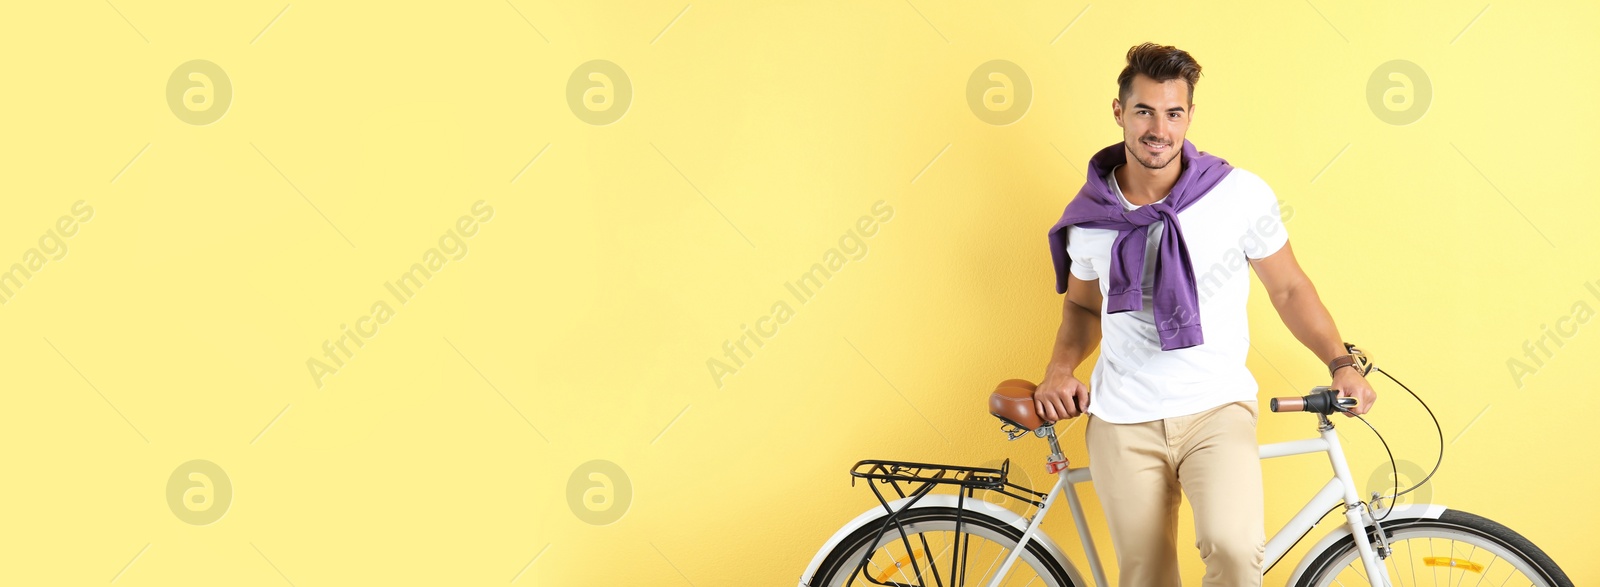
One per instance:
(1150, 254)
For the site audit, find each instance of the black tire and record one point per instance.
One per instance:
(1455, 521)
(841, 561)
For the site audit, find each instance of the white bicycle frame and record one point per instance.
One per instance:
(1341, 488)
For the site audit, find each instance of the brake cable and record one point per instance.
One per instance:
(1393, 466)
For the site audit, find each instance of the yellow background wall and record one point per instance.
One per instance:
(574, 324)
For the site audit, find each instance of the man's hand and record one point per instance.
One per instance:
(1060, 396)
(1350, 383)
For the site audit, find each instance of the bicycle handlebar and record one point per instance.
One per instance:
(1323, 400)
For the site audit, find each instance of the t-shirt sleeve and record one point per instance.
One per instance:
(1080, 267)
(1266, 233)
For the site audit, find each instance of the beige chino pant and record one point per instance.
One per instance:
(1213, 457)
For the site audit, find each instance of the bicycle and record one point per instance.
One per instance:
(1450, 547)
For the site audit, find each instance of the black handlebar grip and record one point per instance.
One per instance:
(1322, 401)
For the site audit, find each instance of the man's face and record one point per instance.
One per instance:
(1154, 120)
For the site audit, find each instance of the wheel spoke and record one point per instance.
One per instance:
(1412, 562)
(1434, 570)
(1471, 554)
(1392, 564)
(1360, 572)
(1485, 574)
(984, 578)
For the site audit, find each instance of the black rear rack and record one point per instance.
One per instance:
(916, 480)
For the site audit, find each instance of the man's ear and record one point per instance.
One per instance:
(1116, 110)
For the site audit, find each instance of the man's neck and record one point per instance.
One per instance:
(1143, 186)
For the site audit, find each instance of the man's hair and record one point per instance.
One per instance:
(1160, 63)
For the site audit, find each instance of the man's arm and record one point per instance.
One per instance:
(1302, 311)
(1061, 395)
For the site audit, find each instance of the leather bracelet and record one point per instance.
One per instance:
(1340, 362)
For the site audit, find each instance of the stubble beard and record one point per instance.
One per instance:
(1152, 163)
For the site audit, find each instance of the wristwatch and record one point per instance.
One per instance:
(1354, 358)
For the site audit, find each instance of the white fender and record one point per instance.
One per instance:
(943, 500)
(1419, 511)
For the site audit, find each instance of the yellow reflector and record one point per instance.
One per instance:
(1454, 563)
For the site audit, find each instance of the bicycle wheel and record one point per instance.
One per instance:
(931, 533)
(1457, 549)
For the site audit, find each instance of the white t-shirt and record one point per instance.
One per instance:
(1134, 380)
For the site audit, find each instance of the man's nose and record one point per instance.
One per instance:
(1162, 127)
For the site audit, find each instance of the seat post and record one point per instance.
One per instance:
(1058, 466)
(1048, 432)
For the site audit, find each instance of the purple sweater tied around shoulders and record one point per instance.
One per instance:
(1177, 304)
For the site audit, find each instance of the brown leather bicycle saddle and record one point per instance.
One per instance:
(1012, 401)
